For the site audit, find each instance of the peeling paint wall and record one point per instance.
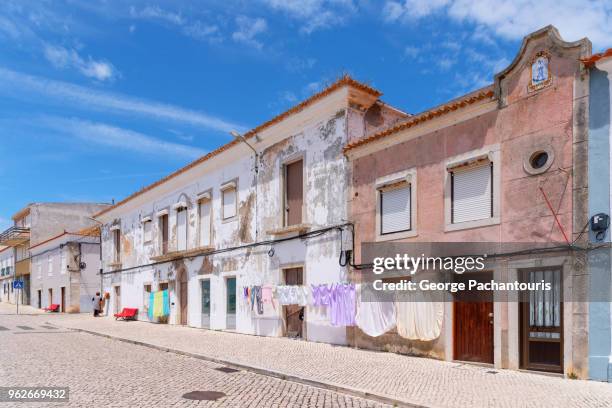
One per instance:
(317, 136)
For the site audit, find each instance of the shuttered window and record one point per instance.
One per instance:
(181, 229)
(204, 212)
(294, 193)
(147, 226)
(472, 193)
(395, 209)
(228, 197)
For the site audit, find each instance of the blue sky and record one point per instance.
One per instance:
(98, 99)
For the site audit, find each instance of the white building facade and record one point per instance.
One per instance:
(7, 271)
(269, 209)
(66, 271)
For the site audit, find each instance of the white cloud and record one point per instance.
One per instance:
(513, 19)
(62, 58)
(22, 85)
(202, 31)
(125, 139)
(157, 13)
(315, 14)
(247, 29)
(411, 51)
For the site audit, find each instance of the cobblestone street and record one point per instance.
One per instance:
(107, 373)
(86, 362)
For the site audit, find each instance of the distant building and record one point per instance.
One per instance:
(35, 224)
(66, 271)
(7, 268)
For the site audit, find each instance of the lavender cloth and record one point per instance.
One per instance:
(342, 305)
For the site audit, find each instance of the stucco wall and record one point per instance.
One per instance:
(520, 123)
(317, 136)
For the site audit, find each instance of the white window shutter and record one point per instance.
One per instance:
(472, 194)
(147, 226)
(181, 229)
(395, 210)
(205, 223)
(229, 203)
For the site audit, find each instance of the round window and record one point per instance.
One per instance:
(539, 161)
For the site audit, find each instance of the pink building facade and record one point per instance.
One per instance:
(505, 164)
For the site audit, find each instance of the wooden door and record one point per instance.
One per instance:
(294, 193)
(473, 331)
(164, 233)
(542, 322)
(294, 314)
(63, 299)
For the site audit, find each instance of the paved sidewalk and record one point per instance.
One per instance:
(11, 309)
(407, 380)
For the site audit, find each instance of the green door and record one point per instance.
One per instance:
(230, 284)
(205, 284)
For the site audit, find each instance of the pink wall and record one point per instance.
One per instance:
(528, 121)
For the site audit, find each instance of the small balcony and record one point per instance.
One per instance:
(14, 236)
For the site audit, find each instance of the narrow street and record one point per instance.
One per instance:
(108, 368)
(101, 372)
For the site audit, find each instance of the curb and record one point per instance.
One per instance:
(343, 389)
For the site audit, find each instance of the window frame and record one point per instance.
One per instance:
(284, 179)
(229, 185)
(205, 196)
(491, 154)
(388, 183)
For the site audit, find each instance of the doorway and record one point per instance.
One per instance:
(39, 292)
(50, 297)
(183, 288)
(117, 299)
(230, 320)
(541, 322)
(205, 290)
(63, 299)
(294, 314)
(473, 322)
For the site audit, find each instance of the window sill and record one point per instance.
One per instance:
(396, 235)
(297, 228)
(472, 224)
(182, 254)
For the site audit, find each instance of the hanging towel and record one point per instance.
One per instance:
(267, 295)
(292, 295)
(321, 295)
(374, 318)
(160, 302)
(419, 318)
(258, 299)
(342, 305)
(151, 305)
(166, 305)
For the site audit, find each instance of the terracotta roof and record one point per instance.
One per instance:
(415, 120)
(86, 232)
(589, 62)
(21, 213)
(93, 231)
(343, 81)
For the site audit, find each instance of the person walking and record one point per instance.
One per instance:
(96, 304)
